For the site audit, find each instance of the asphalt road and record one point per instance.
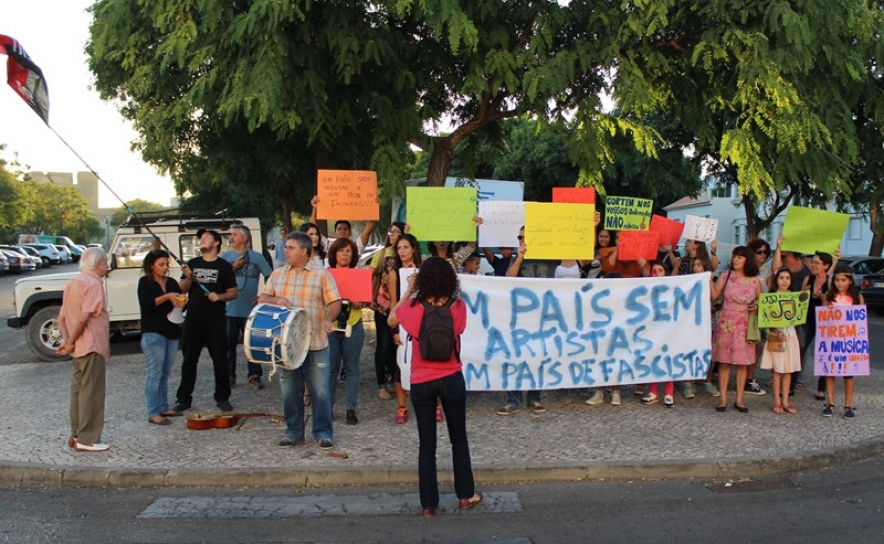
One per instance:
(841, 505)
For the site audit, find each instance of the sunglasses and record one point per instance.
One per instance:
(520, 237)
(763, 252)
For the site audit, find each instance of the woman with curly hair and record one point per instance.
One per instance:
(436, 284)
(408, 255)
(158, 294)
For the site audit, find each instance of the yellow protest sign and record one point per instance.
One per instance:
(441, 214)
(627, 213)
(782, 310)
(347, 194)
(559, 231)
(808, 230)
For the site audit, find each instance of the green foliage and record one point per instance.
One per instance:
(138, 205)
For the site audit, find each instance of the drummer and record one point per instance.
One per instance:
(304, 284)
(248, 266)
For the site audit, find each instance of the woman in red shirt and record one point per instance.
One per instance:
(434, 284)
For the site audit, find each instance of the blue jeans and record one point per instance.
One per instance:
(514, 398)
(159, 354)
(235, 327)
(350, 349)
(452, 394)
(315, 373)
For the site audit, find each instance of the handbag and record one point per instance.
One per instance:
(753, 333)
(719, 302)
(776, 346)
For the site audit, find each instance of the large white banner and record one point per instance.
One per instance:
(532, 333)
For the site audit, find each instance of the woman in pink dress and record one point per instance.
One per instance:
(741, 289)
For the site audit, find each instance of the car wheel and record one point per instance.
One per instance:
(43, 334)
(46, 262)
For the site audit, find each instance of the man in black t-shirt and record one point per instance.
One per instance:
(209, 282)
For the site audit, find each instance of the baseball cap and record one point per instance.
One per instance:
(214, 233)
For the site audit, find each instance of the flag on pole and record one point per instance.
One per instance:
(25, 77)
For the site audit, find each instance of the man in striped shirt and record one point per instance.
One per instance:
(303, 283)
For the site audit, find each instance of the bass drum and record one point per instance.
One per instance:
(276, 335)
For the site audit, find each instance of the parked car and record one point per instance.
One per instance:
(47, 252)
(863, 265)
(18, 263)
(65, 254)
(4, 264)
(34, 255)
(33, 262)
(872, 288)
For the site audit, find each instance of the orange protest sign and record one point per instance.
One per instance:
(347, 194)
(354, 284)
(637, 244)
(574, 195)
(668, 229)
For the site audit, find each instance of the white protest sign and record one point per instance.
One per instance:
(501, 221)
(531, 333)
(700, 229)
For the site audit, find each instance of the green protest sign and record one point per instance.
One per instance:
(441, 213)
(780, 310)
(627, 213)
(808, 230)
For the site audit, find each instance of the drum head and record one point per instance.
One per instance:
(296, 338)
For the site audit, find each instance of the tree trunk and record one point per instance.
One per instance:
(286, 206)
(751, 217)
(440, 162)
(877, 245)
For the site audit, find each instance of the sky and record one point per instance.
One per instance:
(54, 34)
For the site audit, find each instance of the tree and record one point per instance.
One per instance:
(138, 205)
(308, 78)
(62, 210)
(15, 197)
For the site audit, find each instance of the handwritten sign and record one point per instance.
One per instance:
(668, 230)
(807, 230)
(347, 194)
(532, 333)
(559, 231)
(841, 346)
(782, 310)
(354, 284)
(700, 229)
(636, 244)
(573, 195)
(627, 213)
(441, 213)
(501, 222)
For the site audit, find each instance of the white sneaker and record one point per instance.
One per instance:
(615, 397)
(596, 398)
(668, 401)
(90, 447)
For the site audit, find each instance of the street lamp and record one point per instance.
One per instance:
(107, 221)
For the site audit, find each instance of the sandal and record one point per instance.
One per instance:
(791, 409)
(466, 504)
(777, 409)
(384, 394)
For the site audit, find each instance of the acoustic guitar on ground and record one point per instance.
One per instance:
(201, 422)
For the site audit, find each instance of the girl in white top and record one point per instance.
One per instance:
(782, 363)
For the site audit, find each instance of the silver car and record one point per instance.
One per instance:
(4, 263)
(30, 262)
(47, 252)
(35, 255)
(64, 253)
(18, 263)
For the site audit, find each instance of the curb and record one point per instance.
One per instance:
(15, 474)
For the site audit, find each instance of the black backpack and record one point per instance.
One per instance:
(436, 338)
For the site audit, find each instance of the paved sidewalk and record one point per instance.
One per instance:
(570, 441)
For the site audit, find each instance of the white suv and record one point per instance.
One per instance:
(38, 299)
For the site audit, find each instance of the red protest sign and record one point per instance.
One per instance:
(669, 230)
(354, 284)
(574, 195)
(637, 244)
